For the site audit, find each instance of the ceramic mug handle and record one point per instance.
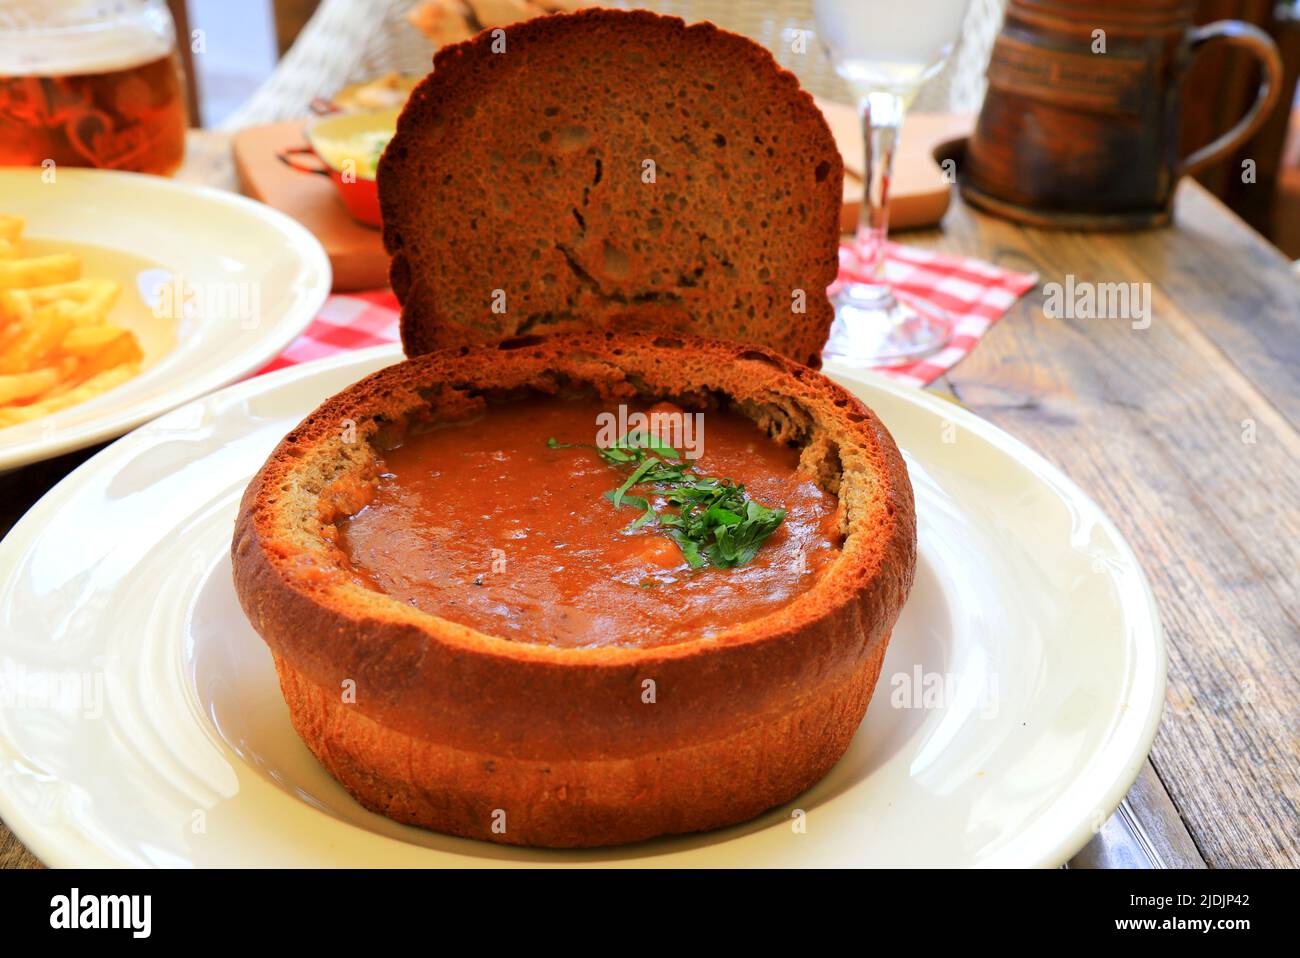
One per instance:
(1235, 33)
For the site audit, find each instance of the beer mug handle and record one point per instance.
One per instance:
(1235, 33)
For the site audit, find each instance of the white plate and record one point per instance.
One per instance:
(253, 279)
(144, 725)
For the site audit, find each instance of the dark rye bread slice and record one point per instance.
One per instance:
(517, 195)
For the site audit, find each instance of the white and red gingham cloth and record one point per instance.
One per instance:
(969, 294)
(973, 294)
(346, 321)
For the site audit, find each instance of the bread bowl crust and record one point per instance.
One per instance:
(436, 688)
(580, 803)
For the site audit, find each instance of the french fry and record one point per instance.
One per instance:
(87, 301)
(68, 378)
(83, 341)
(103, 295)
(78, 290)
(104, 381)
(39, 270)
(57, 348)
(36, 341)
(79, 314)
(24, 386)
(15, 316)
(11, 227)
(16, 305)
(9, 333)
(122, 351)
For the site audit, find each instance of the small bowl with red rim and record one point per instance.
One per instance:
(345, 148)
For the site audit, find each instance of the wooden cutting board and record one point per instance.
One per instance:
(356, 252)
(920, 191)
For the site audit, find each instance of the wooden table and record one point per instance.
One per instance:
(1186, 434)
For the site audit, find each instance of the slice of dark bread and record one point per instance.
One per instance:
(612, 168)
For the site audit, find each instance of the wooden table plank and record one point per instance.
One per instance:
(1150, 423)
(1145, 832)
(1239, 288)
(12, 852)
(1164, 827)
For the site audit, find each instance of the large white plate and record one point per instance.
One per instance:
(144, 725)
(252, 277)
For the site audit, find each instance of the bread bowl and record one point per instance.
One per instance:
(428, 714)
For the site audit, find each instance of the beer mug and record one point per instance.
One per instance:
(91, 83)
(1080, 126)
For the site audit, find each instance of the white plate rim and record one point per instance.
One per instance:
(298, 318)
(1069, 842)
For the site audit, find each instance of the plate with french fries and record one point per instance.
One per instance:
(123, 296)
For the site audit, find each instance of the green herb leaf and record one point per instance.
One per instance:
(637, 476)
(716, 523)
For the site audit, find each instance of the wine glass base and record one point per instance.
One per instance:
(873, 328)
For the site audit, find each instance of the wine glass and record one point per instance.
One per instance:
(886, 50)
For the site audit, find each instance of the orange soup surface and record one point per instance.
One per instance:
(482, 523)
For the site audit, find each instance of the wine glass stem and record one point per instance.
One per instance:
(882, 118)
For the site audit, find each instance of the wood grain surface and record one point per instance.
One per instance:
(1157, 425)
(1185, 433)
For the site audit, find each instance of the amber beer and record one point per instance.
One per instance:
(108, 93)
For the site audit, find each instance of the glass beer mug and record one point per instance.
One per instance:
(91, 83)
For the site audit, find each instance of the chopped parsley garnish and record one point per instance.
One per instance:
(715, 522)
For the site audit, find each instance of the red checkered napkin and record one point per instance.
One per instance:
(969, 294)
(973, 294)
(346, 321)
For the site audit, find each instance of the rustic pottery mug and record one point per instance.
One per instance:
(1080, 126)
